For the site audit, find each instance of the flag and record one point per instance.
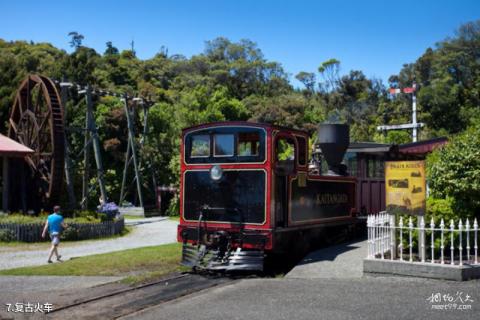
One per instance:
(408, 90)
(394, 90)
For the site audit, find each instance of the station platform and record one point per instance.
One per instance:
(340, 261)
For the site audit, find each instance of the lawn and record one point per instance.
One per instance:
(136, 265)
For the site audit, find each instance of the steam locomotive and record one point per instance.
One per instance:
(249, 189)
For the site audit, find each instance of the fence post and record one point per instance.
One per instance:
(410, 227)
(475, 247)
(452, 227)
(369, 232)
(432, 228)
(382, 235)
(467, 230)
(460, 245)
(374, 235)
(400, 225)
(393, 240)
(421, 237)
(442, 243)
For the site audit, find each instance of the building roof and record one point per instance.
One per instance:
(369, 147)
(422, 147)
(11, 148)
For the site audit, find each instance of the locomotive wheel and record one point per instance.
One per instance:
(36, 121)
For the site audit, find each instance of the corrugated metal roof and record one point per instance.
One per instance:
(11, 148)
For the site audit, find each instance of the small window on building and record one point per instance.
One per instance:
(350, 160)
(200, 146)
(224, 145)
(375, 167)
(248, 144)
(302, 150)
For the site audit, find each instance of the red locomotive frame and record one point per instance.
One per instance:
(308, 203)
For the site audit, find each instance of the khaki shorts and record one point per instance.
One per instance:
(55, 236)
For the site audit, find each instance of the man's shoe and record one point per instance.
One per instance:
(59, 258)
(50, 261)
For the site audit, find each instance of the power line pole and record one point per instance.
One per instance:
(414, 125)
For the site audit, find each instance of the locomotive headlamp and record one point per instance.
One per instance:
(216, 173)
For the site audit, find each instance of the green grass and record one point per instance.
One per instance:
(174, 218)
(136, 265)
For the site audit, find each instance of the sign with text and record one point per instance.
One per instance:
(405, 187)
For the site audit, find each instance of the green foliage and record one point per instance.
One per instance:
(7, 235)
(454, 171)
(82, 217)
(234, 81)
(70, 233)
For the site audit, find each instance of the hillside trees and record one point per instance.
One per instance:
(233, 80)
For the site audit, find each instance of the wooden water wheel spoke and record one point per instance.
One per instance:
(32, 123)
(13, 125)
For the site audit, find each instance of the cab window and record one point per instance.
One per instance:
(284, 156)
(248, 144)
(200, 146)
(285, 150)
(224, 145)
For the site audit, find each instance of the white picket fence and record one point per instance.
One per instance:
(386, 239)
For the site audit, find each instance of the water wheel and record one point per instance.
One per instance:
(36, 121)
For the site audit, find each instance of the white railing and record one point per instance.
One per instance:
(386, 240)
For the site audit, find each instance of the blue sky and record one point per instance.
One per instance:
(377, 37)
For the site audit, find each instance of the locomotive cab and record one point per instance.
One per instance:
(246, 191)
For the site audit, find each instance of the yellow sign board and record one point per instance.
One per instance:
(405, 187)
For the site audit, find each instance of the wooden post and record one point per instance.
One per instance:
(125, 169)
(86, 157)
(68, 162)
(131, 138)
(96, 144)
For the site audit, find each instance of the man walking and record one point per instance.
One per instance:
(54, 225)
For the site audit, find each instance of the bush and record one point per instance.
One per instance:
(454, 171)
(174, 207)
(70, 233)
(7, 235)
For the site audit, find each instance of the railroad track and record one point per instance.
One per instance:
(123, 302)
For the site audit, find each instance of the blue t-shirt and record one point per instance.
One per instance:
(55, 223)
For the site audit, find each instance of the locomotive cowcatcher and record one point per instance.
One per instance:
(248, 189)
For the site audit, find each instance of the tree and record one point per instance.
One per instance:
(111, 50)
(329, 70)
(308, 80)
(76, 40)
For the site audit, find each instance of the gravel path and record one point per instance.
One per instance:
(341, 261)
(145, 232)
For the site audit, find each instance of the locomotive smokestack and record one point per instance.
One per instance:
(334, 139)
